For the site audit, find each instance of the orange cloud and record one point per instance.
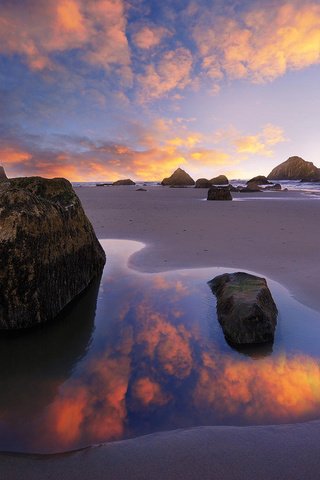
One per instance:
(172, 71)
(149, 36)
(96, 29)
(149, 392)
(263, 43)
(260, 143)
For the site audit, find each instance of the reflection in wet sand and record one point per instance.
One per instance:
(157, 360)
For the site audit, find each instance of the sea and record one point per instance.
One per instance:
(293, 185)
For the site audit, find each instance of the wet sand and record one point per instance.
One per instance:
(273, 234)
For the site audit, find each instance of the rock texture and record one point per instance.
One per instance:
(48, 250)
(203, 183)
(3, 175)
(251, 187)
(259, 180)
(275, 187)
(295, 168)
(126, 181)
(220, 180)
(178, 178)
(245, 307)
(219, 193)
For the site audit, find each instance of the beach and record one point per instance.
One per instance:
(274, 234)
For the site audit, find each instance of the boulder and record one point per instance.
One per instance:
(276, 187)
(220, 180)
(251, 187)
(219, 193)
(126, 181)
(49, 252)
(178, 178)
(141, 190)
(259, 180)
(295, 168)
(203, 183)
(3, 175)
(245, 307)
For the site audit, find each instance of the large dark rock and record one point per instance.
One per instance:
(245, 307)
(49, 252)
(126, 181)
(251, 187)
(203, 183)
(259, 180)
(219, 180)
(3, 175)
(275, 187)
(178, 178)
(219, 193)
(295, 168)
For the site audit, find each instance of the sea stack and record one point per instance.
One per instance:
(3, 175)
(49, 252)
(295, 168)
(178, 178)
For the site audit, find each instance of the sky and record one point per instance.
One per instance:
(96, 90)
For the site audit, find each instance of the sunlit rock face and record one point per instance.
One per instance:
(245, 307)
(3, 175)
(178, 178)
(48, 250)
(126, 181)
(295, 168)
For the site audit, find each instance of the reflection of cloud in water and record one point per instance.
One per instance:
(282, 388)
(158, 359)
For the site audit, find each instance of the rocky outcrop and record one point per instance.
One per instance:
(219, 180)
(49, 252)
(3, 175)
(203, 183)
(178, 178)
(276, 187)
(259, 180)
(126, 181)
(245, 307)
(219, 193)
(251, 187)
(295, 168)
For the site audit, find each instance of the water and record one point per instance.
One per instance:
(144, 352)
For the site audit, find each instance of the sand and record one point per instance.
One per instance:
(273, 234)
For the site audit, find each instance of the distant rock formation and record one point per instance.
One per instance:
(203, 183)
(3, 175)
(126, 181)
(49, 252)
(220, 180)
(245, 307)
(295, 168)
(259, 180)
(178, 178)
(219, 193)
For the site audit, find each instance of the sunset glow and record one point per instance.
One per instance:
(103, 89)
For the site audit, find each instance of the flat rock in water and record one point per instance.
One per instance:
(126, 181)
(219, 193)
(245, 307)
(49, 252)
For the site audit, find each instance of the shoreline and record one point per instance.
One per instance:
(181, 232)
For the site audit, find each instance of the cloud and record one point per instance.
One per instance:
(40, 31)
(262, 43)
(171, 72)
(149, 36)
(260, 144)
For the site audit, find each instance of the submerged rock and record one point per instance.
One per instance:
(219, 193)
(3, 175)
(126, 181)
(295, 168)
(49, 252)
(178, 178)
(219, 180)
(245, 307)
